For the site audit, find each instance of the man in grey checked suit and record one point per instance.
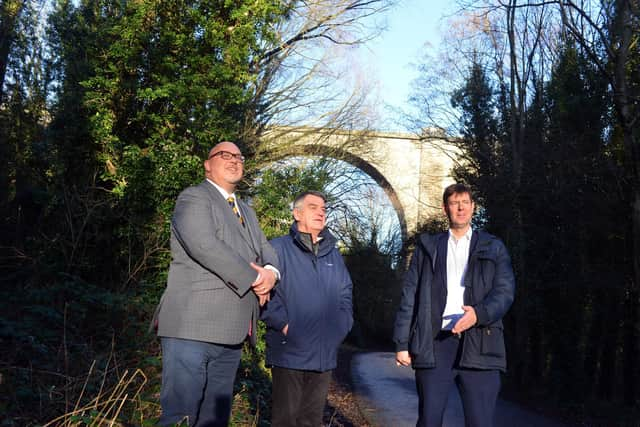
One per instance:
(222, 269)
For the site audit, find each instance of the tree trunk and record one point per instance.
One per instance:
(9, 12)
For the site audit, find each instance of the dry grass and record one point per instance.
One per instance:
(105, 408)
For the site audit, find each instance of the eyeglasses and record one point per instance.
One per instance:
(226, 155)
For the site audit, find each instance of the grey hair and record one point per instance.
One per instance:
(297, 202)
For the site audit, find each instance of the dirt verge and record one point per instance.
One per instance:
(341, 409)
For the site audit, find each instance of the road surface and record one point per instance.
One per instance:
(387, 397)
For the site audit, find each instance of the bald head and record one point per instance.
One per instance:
(224, 166)
(224, 146)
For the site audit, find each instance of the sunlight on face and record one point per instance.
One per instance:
(311, 215)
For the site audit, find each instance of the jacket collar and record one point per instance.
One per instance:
(326, 241)
(480, 244)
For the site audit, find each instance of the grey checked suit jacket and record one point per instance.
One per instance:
(208, 296)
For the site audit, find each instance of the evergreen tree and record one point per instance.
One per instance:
(23, 118)
(580, 186)
(483, 164)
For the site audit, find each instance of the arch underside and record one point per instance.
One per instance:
(358, 162)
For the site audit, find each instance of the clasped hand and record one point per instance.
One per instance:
(264, 283)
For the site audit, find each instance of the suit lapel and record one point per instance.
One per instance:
(250, 225)
(230, 217)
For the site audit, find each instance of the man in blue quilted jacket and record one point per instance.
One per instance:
(309, 315)
(459, 286)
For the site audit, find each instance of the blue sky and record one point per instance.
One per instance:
(412, 26)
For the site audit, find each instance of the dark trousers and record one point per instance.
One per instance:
(197, 382)
(298, 397)
(478, 388)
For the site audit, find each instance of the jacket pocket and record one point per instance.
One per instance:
(277, 338)
(492, 341)
(206, 284)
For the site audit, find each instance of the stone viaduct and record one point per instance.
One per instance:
(412, 171)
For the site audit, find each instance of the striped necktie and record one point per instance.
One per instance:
(232, 202)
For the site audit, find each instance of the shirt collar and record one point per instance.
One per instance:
(221, 190)
(466, 236)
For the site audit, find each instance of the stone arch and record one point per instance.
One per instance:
(412, 170)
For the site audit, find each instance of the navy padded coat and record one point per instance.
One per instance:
(314, 298)
(489, 288)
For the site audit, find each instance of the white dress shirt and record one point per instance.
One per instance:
(225, 194)
(457, 259)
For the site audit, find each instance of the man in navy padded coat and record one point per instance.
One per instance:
(309, 315)
(459, 286)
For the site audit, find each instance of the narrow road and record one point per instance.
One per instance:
(387, 397)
